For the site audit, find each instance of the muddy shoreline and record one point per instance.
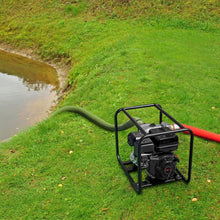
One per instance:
(62, 69)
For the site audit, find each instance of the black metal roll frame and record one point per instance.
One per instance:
(128, 166)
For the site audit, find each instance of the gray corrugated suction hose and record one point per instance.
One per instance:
(96, 120)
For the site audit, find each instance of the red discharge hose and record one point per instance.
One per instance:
(204, 134)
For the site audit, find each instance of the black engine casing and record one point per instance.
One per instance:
(157, 155)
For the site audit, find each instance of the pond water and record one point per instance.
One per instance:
(27, 92)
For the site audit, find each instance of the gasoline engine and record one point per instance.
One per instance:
(156, 153)
(154, 150)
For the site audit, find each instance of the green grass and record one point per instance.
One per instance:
(115, 63)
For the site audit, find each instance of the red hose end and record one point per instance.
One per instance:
(203, 133)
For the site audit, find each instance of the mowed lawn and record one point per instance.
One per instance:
(66, 168)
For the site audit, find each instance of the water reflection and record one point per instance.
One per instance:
(34, 74)
(27, 91)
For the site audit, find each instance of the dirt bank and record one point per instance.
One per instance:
(62, 69)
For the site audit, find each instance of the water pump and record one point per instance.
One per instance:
(154, 147)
